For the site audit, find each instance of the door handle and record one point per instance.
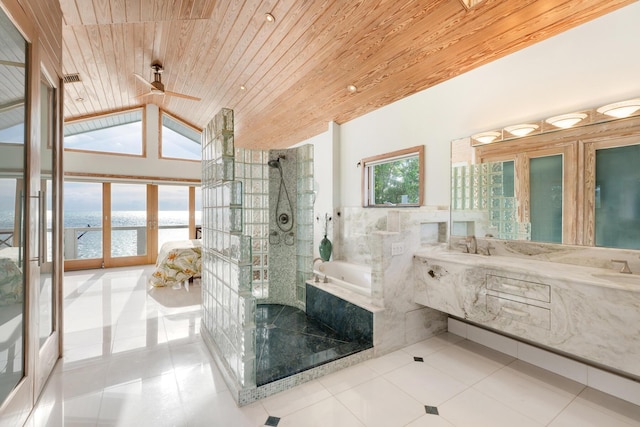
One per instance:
(38, 231)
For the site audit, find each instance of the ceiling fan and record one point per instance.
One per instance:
(157, 87)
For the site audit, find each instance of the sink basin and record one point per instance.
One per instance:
(630, 279)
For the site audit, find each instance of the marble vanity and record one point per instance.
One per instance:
(587, 312)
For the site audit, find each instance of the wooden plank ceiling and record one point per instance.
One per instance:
(295, 70)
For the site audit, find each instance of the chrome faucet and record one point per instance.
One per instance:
(471, 244)
(625, 265)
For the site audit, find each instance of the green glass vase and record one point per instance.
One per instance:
(325, 248)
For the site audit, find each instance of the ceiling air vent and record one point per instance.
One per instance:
(71, 78)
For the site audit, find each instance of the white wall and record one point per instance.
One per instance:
(151, 166)
(591, 65)
(325, 147)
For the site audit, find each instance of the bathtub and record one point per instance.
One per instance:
(352, 277)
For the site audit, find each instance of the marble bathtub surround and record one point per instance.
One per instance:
(346, 318)
(366, 236)
(588, 312)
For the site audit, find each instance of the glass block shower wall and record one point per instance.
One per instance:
(251, 168)
(481, 187)
(305, 202)
(228, 318)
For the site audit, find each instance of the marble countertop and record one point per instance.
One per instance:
(593, 276)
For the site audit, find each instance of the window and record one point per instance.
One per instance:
(119, 133)
(394, 179)
(179, 141)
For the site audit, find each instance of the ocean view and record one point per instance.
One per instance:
(173, 225)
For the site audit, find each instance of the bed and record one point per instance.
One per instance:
(177, 262)
(11, 284)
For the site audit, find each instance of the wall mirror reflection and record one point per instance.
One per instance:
(393, 179)
(575, 186)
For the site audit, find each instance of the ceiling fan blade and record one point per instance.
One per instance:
(181, 95)
(142, 79)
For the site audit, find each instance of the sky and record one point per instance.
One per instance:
(87, 196)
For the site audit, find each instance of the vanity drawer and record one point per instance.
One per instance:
(519, 312)
(523, 288)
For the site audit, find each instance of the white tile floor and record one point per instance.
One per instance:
(135, 358)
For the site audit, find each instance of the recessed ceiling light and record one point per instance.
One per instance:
(269, 17)
(352, 88)
(79, 99)
(566, 120)
(243, 87)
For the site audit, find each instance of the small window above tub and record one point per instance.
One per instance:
(394, 179)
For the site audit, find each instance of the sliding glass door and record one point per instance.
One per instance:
(15, 387)
(29, 208)
(83, 225)
(120, 224)
(129, 224)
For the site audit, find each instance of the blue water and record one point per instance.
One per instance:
(85, 243)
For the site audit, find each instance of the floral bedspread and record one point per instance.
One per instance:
(177, 261)
(11, 283)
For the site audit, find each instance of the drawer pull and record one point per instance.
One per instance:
(514, 287)
(515, 312)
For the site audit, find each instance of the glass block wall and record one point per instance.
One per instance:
(251, 168)
(259, 217)
(482, 187)
(228, 319)
(305, 202)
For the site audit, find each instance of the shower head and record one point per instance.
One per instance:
(274, 163)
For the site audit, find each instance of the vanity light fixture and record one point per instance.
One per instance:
(269, 17)
(486, 137)
(521, 130)
(352, 88)
(565, 121)
(621, 109)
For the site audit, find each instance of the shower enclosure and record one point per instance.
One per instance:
(257, 244)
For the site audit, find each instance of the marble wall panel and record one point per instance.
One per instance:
(367, 236)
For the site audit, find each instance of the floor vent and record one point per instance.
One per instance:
(71, 78)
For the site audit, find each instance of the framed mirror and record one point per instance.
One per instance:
(575, 186)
